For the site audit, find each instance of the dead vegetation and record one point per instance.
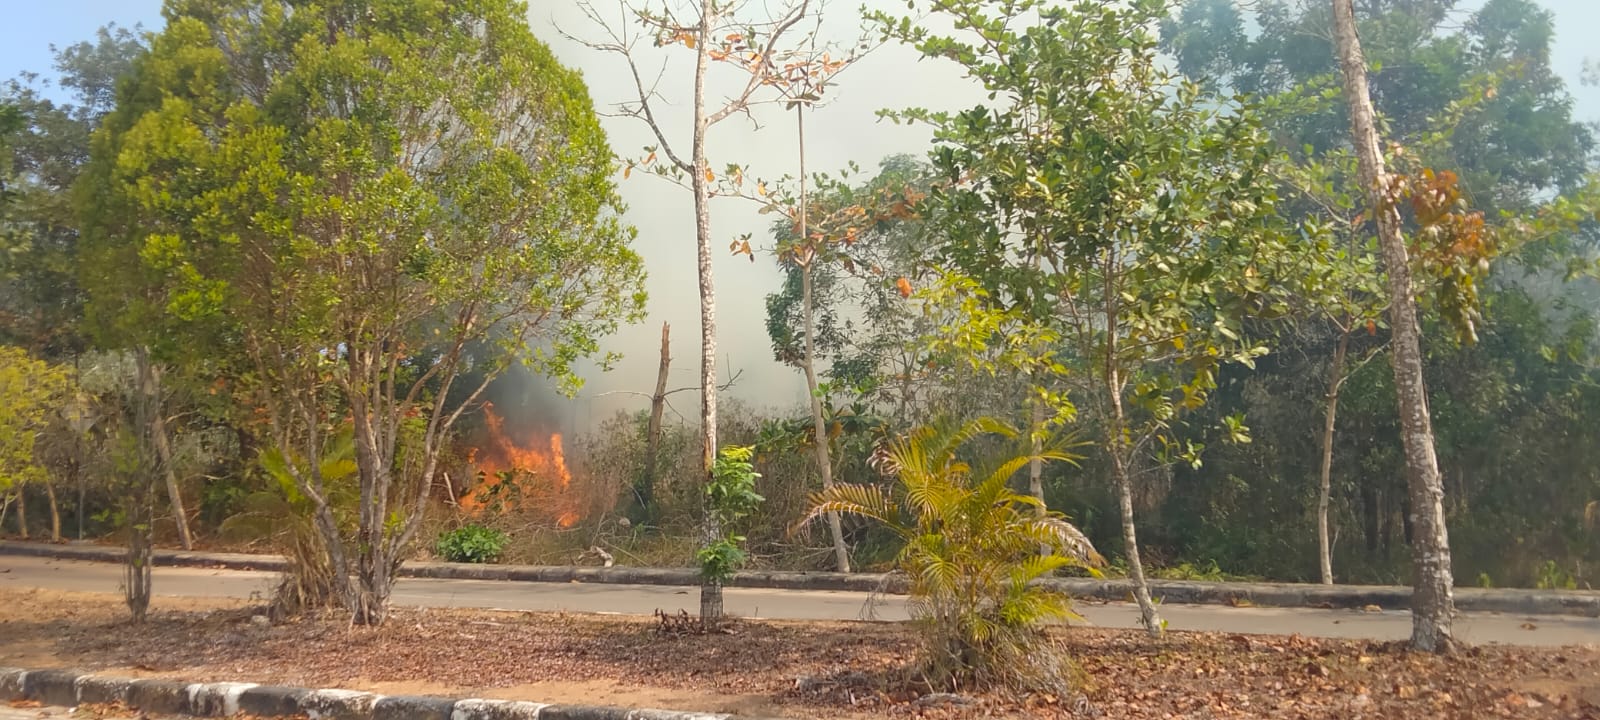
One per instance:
(788, 669)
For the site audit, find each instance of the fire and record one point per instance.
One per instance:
(535, 467)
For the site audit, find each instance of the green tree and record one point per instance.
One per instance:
(41, 302)
(815, 240)
(369, 200)
(1103, 196)
(32, 392)
(1477, 97)
(872, 240)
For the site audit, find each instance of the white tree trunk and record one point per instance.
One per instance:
(1116, 448)
(1432, 605)
(1036, 465)
(819, 425)
(1325, 486)
(158, 435)
(1148, 616)
(710, 591)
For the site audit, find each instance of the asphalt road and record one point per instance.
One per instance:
(25, 572)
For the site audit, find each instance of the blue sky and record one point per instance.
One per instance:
(31, 28)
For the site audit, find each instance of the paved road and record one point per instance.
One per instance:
(24, 572)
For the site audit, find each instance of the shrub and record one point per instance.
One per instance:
(471, 544)
(731, 495)
(282, 515)
(972, 548)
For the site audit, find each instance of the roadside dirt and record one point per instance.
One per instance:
(784, 669)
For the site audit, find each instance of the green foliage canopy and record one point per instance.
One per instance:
(32, 393)
(356, 202)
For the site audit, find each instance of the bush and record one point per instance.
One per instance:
(730, 496)
(972, 548)
(471, 544)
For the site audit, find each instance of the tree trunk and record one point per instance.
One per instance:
(158, 436)
(376, 580)
(1325, 487)
(1432, 605)
(819, 425)
(1119, 472)
(1116, 444)
(140, 498)
(22, 510)
(1036, 465)
(338, 563)
(78, 475)
(136, 578)
(710, 590)
(55, 511)
(646, 492)
(372, 558)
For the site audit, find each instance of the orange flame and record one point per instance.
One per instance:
(537, 468)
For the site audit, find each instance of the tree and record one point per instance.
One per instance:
(758, 48)
(31, 392)
(816, 239)
(871, 241)
(1102, 197)
(1478, 97)
(41, 302)
(45, 309)
(369, 200)
(1432, 605)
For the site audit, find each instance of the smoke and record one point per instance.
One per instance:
(845, 129)
(529, 404)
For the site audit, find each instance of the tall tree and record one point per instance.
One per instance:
(1478, 97)
(44, 301)
(371, 200)
(41, 303)
(1101, 196)
(757, 45)
(1432, 604)
(816, 241)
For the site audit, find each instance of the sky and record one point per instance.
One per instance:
(846, 129)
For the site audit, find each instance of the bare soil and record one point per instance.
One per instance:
(785, 669)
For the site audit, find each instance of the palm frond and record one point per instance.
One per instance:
(866, 501)
(1034, 567)
(1000, 476)
(1066, 539)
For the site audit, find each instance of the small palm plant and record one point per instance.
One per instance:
(973, 547)
(285, 517)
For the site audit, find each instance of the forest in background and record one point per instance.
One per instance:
(1228, 486)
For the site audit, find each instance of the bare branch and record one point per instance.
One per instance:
(742, 99)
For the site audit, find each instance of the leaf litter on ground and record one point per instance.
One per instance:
(792, 669)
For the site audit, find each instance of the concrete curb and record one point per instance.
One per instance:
(1525, 602)
(69, 688)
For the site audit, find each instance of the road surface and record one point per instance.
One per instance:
(26, 572)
